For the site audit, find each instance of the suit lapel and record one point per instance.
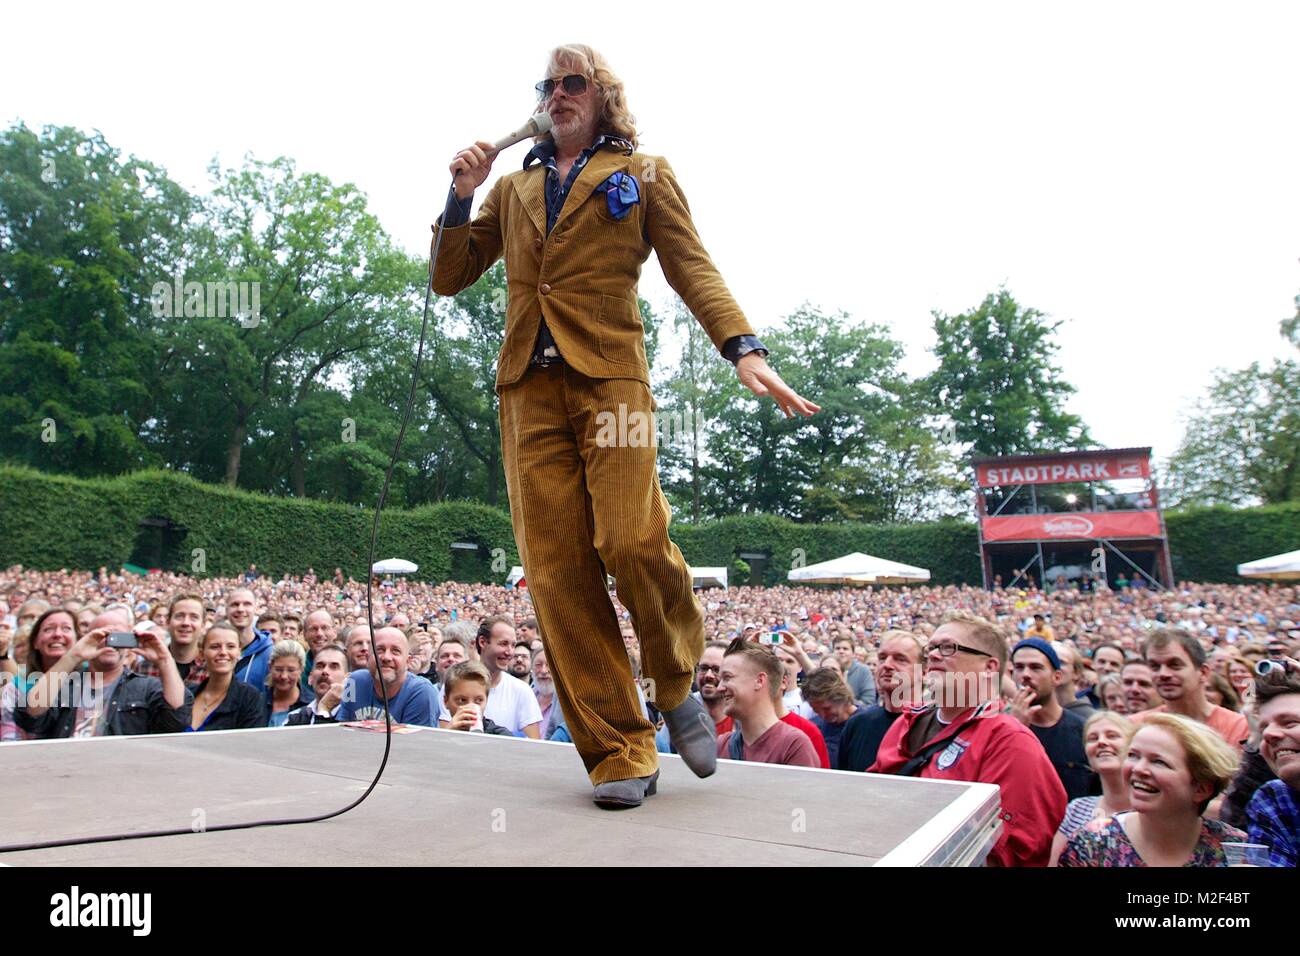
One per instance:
(531, 187)
(597, 170)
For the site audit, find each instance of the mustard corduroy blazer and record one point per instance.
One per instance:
(583, 276)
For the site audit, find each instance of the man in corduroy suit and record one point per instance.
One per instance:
(575, 225)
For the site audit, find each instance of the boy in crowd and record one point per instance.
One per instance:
(467, 686)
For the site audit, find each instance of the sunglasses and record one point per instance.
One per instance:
(575, 84)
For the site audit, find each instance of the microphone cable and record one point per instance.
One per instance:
(370, 621)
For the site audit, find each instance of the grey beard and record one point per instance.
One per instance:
(543, 688)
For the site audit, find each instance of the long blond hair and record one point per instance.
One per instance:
(615, 117)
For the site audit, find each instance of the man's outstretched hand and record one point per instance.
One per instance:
(761, 379)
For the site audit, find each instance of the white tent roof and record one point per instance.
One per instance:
(516, 575)
(394, 566)
(1280, 567)
(709, 577)
(858, 568)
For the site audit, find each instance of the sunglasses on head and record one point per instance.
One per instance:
(575, 84)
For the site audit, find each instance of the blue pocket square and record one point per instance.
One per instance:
(622, 192)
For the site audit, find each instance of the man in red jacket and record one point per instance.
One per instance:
(964, 735)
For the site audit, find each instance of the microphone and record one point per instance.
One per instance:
(539, 123)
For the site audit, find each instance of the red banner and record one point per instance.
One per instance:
(1081, 525)
(1048, 470)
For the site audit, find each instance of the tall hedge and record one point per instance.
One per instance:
(1207, 544)
(51, 521)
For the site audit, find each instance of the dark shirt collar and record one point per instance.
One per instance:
(544, 152)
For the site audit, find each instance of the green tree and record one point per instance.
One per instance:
(650, 325)
(82, 231)
(1290, 328)
(998, 382)
(902, 472)
(459, 374)
(331, 285)
(1241, 443)
(682, 397)
(869, 454)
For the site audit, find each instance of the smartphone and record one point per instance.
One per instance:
(122, 639)
(771, 637)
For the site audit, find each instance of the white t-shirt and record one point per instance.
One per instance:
(511, 704)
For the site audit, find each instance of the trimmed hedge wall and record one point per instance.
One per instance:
(1207, 544)
(51, 521)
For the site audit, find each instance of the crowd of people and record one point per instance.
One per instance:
(1124, 726)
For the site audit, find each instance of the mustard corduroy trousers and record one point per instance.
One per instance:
(582, 506)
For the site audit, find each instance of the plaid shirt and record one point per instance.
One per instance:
(147, 668)
(1273, 818)
(143, 666)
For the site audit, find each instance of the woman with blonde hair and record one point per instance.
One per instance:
(1105, 735)
(284, 690)
(86, 614)
(1110, 694)
(1173, 769)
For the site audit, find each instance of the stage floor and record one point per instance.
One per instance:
(455, 799)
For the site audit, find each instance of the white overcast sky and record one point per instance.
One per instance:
(1131, 168)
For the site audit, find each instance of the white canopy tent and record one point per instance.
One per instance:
(394, 566)
(858, 568)
(708, 577)
(1280, 567)
(516, 576)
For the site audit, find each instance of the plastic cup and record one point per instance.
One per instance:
(1246, 854)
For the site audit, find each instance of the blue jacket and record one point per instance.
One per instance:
(255, 662)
